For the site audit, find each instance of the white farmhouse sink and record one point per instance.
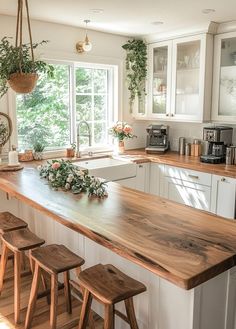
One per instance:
(108, 168)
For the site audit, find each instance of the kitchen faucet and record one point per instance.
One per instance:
(89, 135)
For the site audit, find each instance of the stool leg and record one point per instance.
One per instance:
(67, 291)
(33, 297)
(85, 310)
(91, 320)
(17, 283)
(54, 297)
(109, 319)
(129, 305)
(4, 258)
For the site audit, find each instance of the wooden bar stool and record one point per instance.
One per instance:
(18, 242)
(109, 286)
(9, 222)
(53, 259)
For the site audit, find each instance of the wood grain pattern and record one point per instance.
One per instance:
(183, 245)
(182, 161)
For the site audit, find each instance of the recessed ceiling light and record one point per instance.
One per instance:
(157, 23)
(208, 11)
(97, 11)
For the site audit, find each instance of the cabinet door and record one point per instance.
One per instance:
(156, 171)
(142, 177)
(224, 79)
(159, 68)
(188, 78)
(223, 196)
(187, 193)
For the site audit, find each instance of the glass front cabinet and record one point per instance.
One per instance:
(179, 79)
(224, 78)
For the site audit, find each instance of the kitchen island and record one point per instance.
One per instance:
(186, 257)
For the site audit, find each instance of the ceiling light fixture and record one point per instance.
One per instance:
(97, 11)
(157, 23)
(208, 11)
(86, 45)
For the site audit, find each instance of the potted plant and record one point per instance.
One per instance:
(70, 151)
(121, 131)
(17, 68)
(38, 150)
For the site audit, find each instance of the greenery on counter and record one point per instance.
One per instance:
(62, 174)
(136, 68)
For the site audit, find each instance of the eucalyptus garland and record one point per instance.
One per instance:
(136, 68)
(62, 174)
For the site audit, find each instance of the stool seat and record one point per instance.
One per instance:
(56, 258)
(108, 284)
(21, 240)
(9, 222)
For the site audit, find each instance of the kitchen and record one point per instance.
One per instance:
(159, 222)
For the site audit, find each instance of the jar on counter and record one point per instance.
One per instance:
(187, 148)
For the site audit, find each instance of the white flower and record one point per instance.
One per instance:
(51, 177)
(67, 186)
(70, 178)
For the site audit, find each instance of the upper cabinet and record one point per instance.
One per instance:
(179, 79)
(224, 78)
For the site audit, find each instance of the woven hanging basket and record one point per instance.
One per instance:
(23, 83)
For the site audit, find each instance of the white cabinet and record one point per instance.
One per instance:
(224, 78)
(156, 172)
(179, 79)
(187, 187)
(223, 196)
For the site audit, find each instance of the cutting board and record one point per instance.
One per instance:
(5, 167)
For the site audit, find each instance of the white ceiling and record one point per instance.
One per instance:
(129, 17)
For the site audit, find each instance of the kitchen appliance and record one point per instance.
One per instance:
(157, 138)
(215, 141)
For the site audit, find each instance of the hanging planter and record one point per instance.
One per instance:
(18, 68)
(136, 69)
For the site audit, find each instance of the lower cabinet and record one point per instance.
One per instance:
(187, 187)
(223, 196)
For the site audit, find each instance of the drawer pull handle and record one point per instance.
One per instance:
(193, 176)
(140, 166)
(223, 179)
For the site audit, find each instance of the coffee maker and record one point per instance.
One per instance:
(215, 141)
(157, 138)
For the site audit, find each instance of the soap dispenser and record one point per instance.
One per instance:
(13, 157)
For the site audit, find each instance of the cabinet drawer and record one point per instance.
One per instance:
(188, 175)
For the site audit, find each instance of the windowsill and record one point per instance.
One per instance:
(84, 151)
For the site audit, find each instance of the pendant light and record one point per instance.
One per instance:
(87, 45)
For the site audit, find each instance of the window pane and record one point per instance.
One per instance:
(84, 107)
(43, 116)
(83, 80)
(100, 81)
(100, 133)
(100, 104)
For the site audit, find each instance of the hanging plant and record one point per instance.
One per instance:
(18, 68)
(136, 68)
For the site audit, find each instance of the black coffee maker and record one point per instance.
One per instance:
(215, 141)
(157, 139)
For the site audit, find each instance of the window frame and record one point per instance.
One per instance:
(112, 101)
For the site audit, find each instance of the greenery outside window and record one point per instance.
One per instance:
(51, 113)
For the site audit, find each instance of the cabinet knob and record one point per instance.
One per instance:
(167, 114)
(223, 179)
(172, 114)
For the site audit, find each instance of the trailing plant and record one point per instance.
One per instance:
(62, 174)
(16, 59)
(136, 68)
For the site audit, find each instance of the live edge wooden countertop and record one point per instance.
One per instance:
(182, 161)
(180, 244)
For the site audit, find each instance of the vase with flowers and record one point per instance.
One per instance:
(121, 131)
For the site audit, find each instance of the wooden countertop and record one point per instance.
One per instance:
(188, 162)
(180, 244)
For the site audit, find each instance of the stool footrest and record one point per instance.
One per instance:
(122, 316)
(48, 291)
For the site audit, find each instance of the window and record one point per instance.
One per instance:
(52, 112)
